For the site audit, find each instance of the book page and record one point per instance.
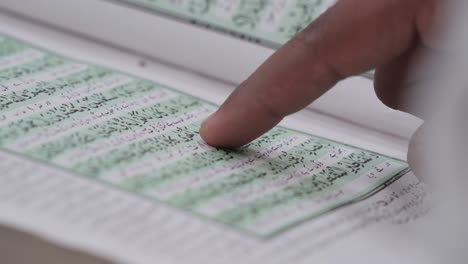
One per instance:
(141, 137)
(119, 159)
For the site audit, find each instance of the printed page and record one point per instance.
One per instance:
(143, 138)
(119, 158)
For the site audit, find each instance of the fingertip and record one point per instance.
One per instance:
(217, 133)
(206, 132)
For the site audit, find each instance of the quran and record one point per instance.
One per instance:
(119, 156)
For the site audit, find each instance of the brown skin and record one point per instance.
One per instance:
(352, 37)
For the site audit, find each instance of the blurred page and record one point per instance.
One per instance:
(270, 23)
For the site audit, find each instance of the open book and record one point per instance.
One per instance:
(110, 161)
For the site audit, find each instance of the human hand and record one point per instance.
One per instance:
(352, 37)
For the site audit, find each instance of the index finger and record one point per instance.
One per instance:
(350, 38)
